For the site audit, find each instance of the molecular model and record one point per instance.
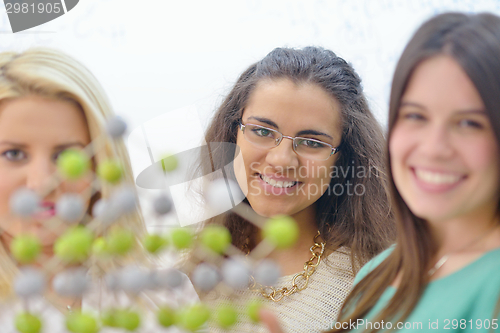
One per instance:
(101, 247)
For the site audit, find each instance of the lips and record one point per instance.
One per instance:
(278, 183)
(437, 178)
(46, 210)
(436, 181)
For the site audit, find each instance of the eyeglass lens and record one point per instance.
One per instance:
(268, 138)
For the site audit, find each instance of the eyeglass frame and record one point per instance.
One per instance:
(334, 149)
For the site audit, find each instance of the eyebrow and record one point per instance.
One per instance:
(411, 104)
(12, 143)
(265, 121)
(58, 147)
(304, 132)
(479, 112)
(473, 111)
(70, 144)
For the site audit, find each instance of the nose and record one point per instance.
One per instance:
(283, 156)
(39, 172)
(437, 143)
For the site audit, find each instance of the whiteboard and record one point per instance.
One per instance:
(158, 58)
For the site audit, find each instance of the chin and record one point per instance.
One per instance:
(265, 212)
(267, 209)
(429, 215)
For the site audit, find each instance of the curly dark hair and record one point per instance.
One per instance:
(364, 223)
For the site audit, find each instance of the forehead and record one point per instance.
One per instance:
(441, 85)
(288, 103)
(41, 119)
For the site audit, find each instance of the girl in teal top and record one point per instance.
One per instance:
(443, 273)
(460, 301)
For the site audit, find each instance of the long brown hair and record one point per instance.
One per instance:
(474, 42)
(363, 223)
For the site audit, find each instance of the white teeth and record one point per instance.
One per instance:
(437, 178)
(278, 184)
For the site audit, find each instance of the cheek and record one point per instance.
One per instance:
(484, 159)
(8, 185)
(250, 157)
(396, 143)
(82, 186)
(398, 149)
(320, 174)
(5, 193)
(77, 186)
(399, 146)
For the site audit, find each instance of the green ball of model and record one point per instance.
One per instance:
(182, 238)
(169, 163)
(75, 245)
(281, 231)
(108, 318)
(25, 248)
(78, 322)
(120, 241)
(193, 317)
(253, 308)
(110, 171)
(127, 319)
(215, 237)
(27, 323)
(100, 247)
(166, 316)
(73, 164)
(226, 316)
(154, 243)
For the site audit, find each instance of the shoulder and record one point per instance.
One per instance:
(369, 266)
(483, 277)
(337, 265)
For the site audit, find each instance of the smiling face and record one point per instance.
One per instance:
(444, 155)
(279, 181)
(33, 131)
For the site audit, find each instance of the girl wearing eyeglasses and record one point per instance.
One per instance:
(443, 274)
(309, 148)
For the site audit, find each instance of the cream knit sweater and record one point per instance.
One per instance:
(310, 310)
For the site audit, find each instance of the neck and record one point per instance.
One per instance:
(292, 259)
(467, 233)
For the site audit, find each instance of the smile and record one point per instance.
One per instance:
(45, 210)
(278, 184)
(437, 178)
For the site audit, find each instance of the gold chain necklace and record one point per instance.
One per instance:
(299, 280)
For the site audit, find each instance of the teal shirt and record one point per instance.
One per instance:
(463, 301)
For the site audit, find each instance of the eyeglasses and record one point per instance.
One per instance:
(268, 138)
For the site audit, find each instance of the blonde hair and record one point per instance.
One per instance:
(52, 74)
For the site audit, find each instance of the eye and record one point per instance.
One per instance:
(14, 155)
(468, 123)
(415, 116)
(56, 155)
(262, 132)
(311, 143)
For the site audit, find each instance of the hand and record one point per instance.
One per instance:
(270, 320)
